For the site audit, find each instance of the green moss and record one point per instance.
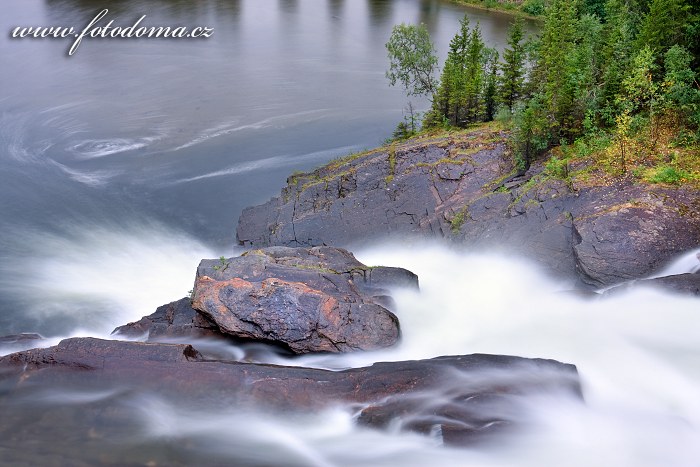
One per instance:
(345, 160)
(533, 182)
(318, 180)
(392, 164)
(531, 203)
(458, 219)
(322, 270)
(497, 184)
(483, 133)
(444, 160)
(311, 267)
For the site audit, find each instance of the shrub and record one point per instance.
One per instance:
(534, 7)
(667, 174)
(558, 168)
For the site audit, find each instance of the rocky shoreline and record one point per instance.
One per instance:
(463, 188)
(297, 290)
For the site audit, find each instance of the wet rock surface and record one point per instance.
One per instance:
(298, 299)
(464, 189)
(28, 337)
(465, 398)
(175, 320)
(626, 231)
(317, 299)
(686, 284)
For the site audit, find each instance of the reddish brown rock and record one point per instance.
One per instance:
(317, 299)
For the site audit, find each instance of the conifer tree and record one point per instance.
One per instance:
(474, 78)
(513, 67)
(449, 96)
(666, 24)
(616, 50)
(584, 72)
(491, 86)
(556, 52)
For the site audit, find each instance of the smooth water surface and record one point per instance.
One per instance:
(132, 149)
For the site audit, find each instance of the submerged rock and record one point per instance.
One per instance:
(317, 299)
(20, 338)
(17, 342)
(463, 398)
(463, 188)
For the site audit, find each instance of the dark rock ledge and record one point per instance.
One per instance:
(463, 188)
(465, 398)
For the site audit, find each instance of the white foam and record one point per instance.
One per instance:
(94, 178)
(273, 162)
(90, 149)
(686, 263)
(234, 126)
(106, 275)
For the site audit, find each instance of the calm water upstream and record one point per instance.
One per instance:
(127, 162)
(116, 156)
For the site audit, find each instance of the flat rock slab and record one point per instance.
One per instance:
(462, 397)
(318, 299)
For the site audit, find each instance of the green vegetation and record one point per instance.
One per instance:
(667, 174)
(223, 264)
(513, 67)
(461, 98)
(457, 221)
(527, 8)
(412, 60)
(613, 84)
(392, 164)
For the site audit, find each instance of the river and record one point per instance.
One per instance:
(127, 162)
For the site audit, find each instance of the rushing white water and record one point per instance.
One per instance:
(286, 160)
(687, 263)
(96, 277)
(638, 354)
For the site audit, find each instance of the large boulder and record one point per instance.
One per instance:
(627, 231)
(462, 397)
(317, 299)
(464, 188)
